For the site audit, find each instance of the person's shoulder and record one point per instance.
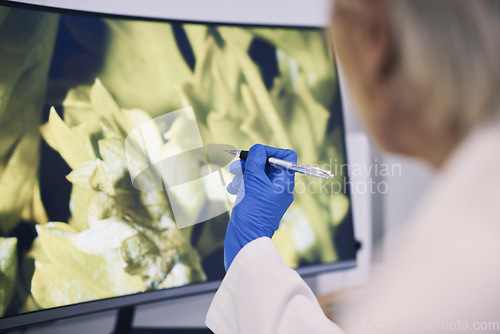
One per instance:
(467, 190)
(442, 264)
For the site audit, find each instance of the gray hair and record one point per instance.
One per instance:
(448, 60)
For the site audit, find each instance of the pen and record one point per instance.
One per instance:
(290, 166)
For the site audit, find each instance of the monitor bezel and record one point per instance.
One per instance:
(29, 319)
(295, 13)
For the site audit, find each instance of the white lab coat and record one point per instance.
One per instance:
(444, 275)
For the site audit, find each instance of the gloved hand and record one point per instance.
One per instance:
(264, 194)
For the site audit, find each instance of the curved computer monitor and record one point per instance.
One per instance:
(112, 164)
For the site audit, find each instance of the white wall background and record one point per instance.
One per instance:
(374, 214)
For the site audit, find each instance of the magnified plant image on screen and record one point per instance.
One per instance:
(73, 227)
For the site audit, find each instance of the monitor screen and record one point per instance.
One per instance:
(112, 162)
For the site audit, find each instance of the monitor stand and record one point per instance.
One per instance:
(125, 319)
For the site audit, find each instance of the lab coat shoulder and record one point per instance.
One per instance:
(261, 294)
(443, 269)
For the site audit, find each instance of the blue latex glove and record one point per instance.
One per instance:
(264, 194)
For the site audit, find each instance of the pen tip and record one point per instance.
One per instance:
(329, 175)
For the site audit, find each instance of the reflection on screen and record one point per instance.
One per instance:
(73, 225)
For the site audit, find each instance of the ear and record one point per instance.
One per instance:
(378, 40)
(363, 46)
(380, 59)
